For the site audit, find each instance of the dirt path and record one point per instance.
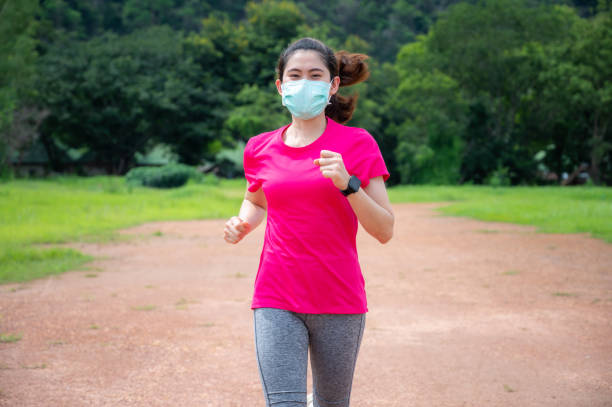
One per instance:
(462, 313)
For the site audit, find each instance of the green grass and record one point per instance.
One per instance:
(550, 209)
(73, 209)
(511, 273)
(9, 338)
(20, 263)
(147, 307)
(564, 294)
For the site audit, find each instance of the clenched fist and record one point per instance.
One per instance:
(235, 229)
(332, 167)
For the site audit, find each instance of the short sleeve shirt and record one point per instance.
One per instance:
(309, 261)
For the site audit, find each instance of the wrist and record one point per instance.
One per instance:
(353, 185)
(345, 182)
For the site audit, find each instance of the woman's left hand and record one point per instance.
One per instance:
(332, 166)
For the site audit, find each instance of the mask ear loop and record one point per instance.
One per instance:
(330, 96)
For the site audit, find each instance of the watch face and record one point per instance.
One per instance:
(354, 183)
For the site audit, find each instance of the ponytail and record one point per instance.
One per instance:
(351, 68)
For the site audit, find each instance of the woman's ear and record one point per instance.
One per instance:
(335, 85)
(278, 86)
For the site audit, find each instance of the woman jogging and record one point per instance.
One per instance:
(316, 179)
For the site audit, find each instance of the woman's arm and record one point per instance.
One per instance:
(254, 207)
(371, 204)
(252, 211)
(373, 209)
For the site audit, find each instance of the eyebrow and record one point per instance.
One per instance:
(299, 70)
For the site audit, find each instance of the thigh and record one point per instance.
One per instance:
(335, 341)
(281, 345)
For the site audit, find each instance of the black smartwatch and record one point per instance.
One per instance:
(353, 186)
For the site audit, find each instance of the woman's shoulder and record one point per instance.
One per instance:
(261, 138)
(356, 137)
(260, 141)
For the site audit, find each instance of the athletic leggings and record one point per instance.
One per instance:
(282, 340)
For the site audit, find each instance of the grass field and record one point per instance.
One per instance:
(65, 209)
(551, 209)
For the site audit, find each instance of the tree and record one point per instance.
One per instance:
(429, 133)
(257, 110)
(481, 47)
(575, 94)
(218, 48)
(271, 25)
(17, 65)
(117, 95)
(593, 57)
(179, 14)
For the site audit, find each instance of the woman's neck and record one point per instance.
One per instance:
(304, 132)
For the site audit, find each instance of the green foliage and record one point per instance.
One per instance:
(480, 46)
(476, 43)
(527, 76)
(460, 91)
(118, 95)
(159, 154)
(575, 94)
(385, 25)
(230, 161)
(271, 25)
(428, 122)
(499, 177)
(257, 110)
(167, 176)
(144, 13)
(17, 65)
(87, 18)
(218, 48)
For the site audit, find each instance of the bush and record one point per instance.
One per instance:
(229, 161)
(499, 178)
(207, 179)
(168, 176)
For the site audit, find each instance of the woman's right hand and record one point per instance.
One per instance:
(235, 229)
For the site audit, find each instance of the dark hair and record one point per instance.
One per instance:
(350, 67)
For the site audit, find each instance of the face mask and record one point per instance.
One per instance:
(305, 99)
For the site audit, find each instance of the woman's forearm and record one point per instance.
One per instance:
(251, 213)
(375, 219)
(370, 203)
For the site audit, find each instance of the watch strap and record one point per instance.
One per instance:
(353, 186)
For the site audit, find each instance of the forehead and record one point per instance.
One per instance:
(305, 60)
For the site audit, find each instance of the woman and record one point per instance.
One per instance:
(316, 179)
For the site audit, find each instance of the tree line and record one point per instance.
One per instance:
(490, 91)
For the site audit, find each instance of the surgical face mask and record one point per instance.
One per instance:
(305, 99)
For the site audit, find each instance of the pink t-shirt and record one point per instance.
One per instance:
(309, 261)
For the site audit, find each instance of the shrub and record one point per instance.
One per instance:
(168, 176)
(229, 161)
(207, 179)
(500, 177)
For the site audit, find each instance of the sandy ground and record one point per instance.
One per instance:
(462, 313)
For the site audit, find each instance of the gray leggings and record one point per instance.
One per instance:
(282, 339)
